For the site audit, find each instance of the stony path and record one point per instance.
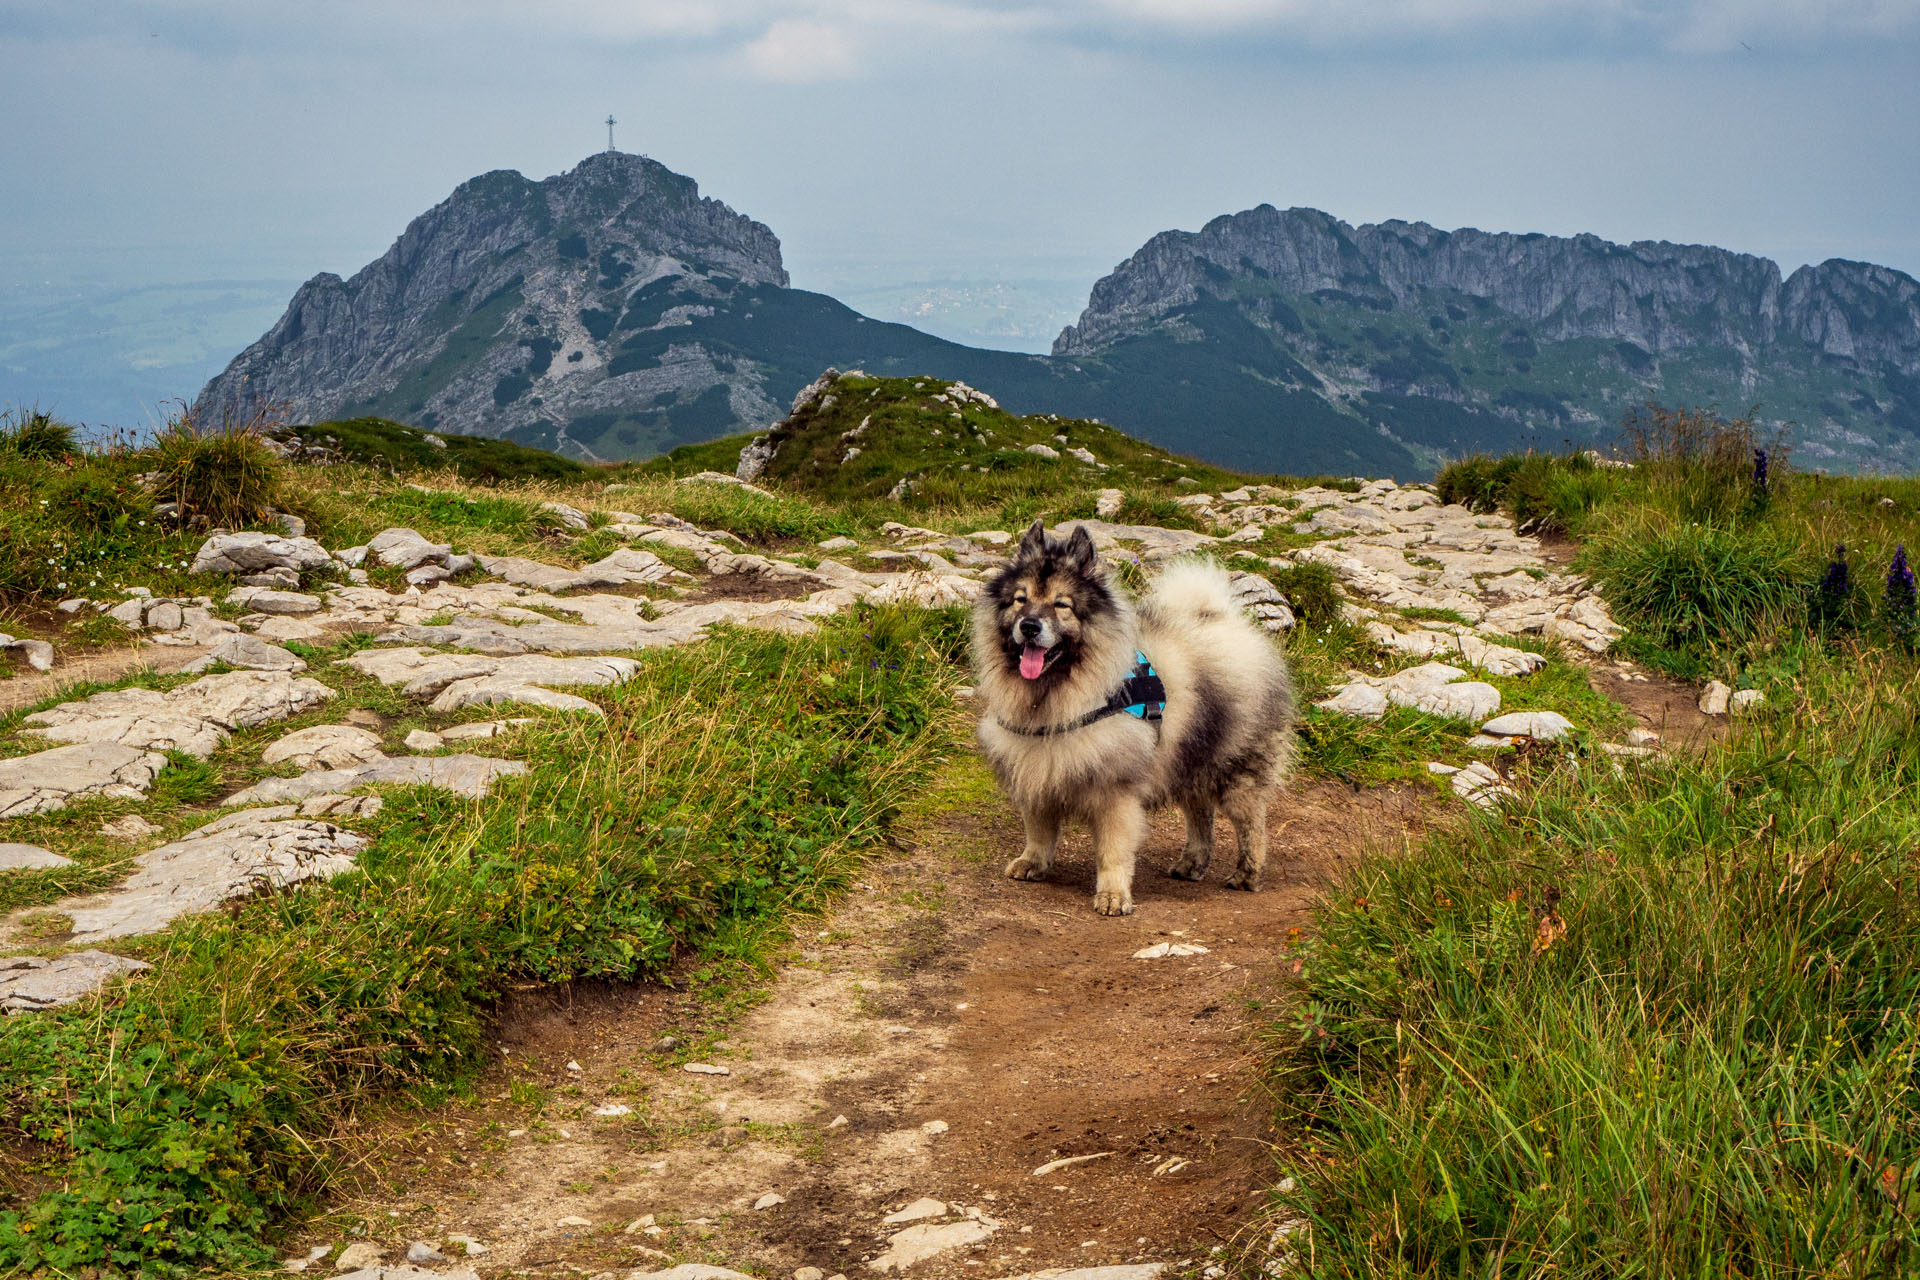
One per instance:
(970, 1045)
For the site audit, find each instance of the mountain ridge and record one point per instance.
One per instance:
(612, 311)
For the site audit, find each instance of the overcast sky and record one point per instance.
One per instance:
(889, 141)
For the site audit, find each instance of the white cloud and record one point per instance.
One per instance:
(799, 51)
(1682, 26)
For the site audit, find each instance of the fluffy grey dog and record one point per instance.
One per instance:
(1096, 708)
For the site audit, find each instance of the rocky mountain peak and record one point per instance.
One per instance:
(484, 294)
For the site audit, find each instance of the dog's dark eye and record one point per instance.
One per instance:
(1063, 603)
(1020, 597)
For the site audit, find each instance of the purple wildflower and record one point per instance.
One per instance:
(1836, 585)
(1899, 605)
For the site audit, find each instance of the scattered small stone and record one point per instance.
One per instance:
(924, 1207)
(769, 1200)
(38, 653)
(934, 1128)
(1067, 1162)
(301, 1263)
(358, 1256)
(1715, 698)
(640, 1223)
(1642, 738)
(572, 517)
(899, 1031)
(252, 552)
(809, 1273)
(666, 1044)
(423, 1251)
(1544, 726)
(472, 1247)
(1044, 451)
(131, 827)
(573, 1220)
(1162, 950)
(267, 600)
(706, 1069)
(1478, 784)
(838, 1122)
(613, 1110)
(918, 1243)
(1746, 700)
(423, 740)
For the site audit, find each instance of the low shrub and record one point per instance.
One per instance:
(1542, 492)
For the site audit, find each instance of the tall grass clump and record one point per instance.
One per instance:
(225, 476)
(1700, 589)
(36, 436)
(1702, 466)
(1657, 1022)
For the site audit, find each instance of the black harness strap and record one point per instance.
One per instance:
(1140, 695)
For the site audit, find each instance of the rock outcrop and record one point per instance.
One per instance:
(1455, 320)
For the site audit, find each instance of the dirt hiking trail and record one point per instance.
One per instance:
(942, 1036)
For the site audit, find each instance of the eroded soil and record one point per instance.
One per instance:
(969, 1029)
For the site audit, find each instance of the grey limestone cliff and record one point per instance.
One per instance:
(1661, 296)
(496, 312)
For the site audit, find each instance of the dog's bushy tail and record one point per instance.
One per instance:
(1194, 590)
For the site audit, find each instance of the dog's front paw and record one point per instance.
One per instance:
(1248, 880)
(1026, 868)
(1108, 903)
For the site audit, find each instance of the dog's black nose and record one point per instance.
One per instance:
(1029, 628)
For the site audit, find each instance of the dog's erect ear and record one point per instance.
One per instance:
(1034, 545)
(1080, 550)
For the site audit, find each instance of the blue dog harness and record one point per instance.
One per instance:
(1140, 695)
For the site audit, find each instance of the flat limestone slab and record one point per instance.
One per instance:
(622, 568)
(488, 636)
(233, 857)
(30, 857)
(324, 746)
(49, 779)
(250, 652)
(195, 718)
(424, 673)
(466, 775)
(28, 983)
(472, 680)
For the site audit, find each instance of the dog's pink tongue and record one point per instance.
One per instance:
(1033, 660)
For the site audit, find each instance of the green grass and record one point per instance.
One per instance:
(1653, 1019)
(733, 782)
(478, 459)
(1710, 1071)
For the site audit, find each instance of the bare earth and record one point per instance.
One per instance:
(969, 1028)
